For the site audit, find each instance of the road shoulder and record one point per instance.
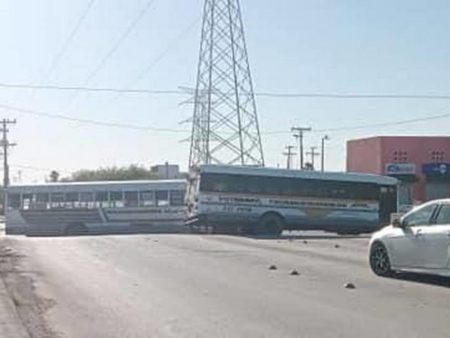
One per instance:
(21, 309)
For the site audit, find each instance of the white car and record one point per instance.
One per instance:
(418, 242)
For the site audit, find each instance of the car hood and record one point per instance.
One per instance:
(382, 233)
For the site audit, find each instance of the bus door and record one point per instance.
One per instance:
(388, 203)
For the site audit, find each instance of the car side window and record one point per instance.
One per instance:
(420, 217)
(444, 215)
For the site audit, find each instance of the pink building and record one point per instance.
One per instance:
(422, 164)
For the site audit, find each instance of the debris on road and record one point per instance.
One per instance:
(273, 267)
(305, 242)
(349, 286)
(294, 273)
(337, 246)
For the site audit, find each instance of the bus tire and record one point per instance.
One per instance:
(270, 223)
(75, 229)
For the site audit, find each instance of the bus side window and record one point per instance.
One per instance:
(72, 200)
(162, 198)
(176, 197)
(101, 199)
(87, 199)
(270, 186)
(116, 199)
(42, 200)
(147, 198)
(57, 200)
(131, 198)
(14, 201)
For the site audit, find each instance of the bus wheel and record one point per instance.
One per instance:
(76, 229)
(270, 224)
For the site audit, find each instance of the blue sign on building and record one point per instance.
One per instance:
(436, 169)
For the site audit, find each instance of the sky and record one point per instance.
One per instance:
(294, 46)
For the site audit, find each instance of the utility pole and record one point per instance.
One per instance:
(313, 154)
(6, 145)
(324, 138)
(289, 154)
(298, 133)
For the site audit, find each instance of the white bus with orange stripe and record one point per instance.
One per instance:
(230, 199)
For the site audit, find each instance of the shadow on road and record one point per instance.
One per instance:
(424, 279)
(308, 237)
(105, 233)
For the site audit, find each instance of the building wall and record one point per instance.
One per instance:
(417, 150)
(372, 154)
(167, 171)
(364, 155)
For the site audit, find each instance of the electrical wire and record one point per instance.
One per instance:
(119, 41)
(89, 89)
(386, 124)
(65, 46)
(368, 126)
(260, 94)
(89, 121)
(171, 130)
(172, 44)
(354, 96)
(31, 167)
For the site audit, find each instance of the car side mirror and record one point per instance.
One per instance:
(397, 223)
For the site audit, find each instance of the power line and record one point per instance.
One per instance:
(172, 44)
(369, 126)
(171, 130)
(30, 167)
(90, 89)
(119, 41)
(115, 47)
(89, 121)
(386, 124)
(260, 94)
(354, 96)
(68, 41)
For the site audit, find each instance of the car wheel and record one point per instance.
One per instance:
(379, 260)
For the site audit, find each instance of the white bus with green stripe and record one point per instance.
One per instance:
(233, 199)
(96, 207)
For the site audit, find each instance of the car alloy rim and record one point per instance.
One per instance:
(380, 260)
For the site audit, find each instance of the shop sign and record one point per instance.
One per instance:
(400, 169)
(436, 169)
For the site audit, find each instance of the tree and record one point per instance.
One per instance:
(308, 166)
(54, 176)
(133, 172)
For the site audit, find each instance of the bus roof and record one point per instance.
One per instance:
(314, 175)
(98, 185)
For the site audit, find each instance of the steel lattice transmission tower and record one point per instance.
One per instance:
(225, 126)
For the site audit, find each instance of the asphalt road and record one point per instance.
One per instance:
(216, 286)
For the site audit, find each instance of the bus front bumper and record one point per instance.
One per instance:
(221, 219)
